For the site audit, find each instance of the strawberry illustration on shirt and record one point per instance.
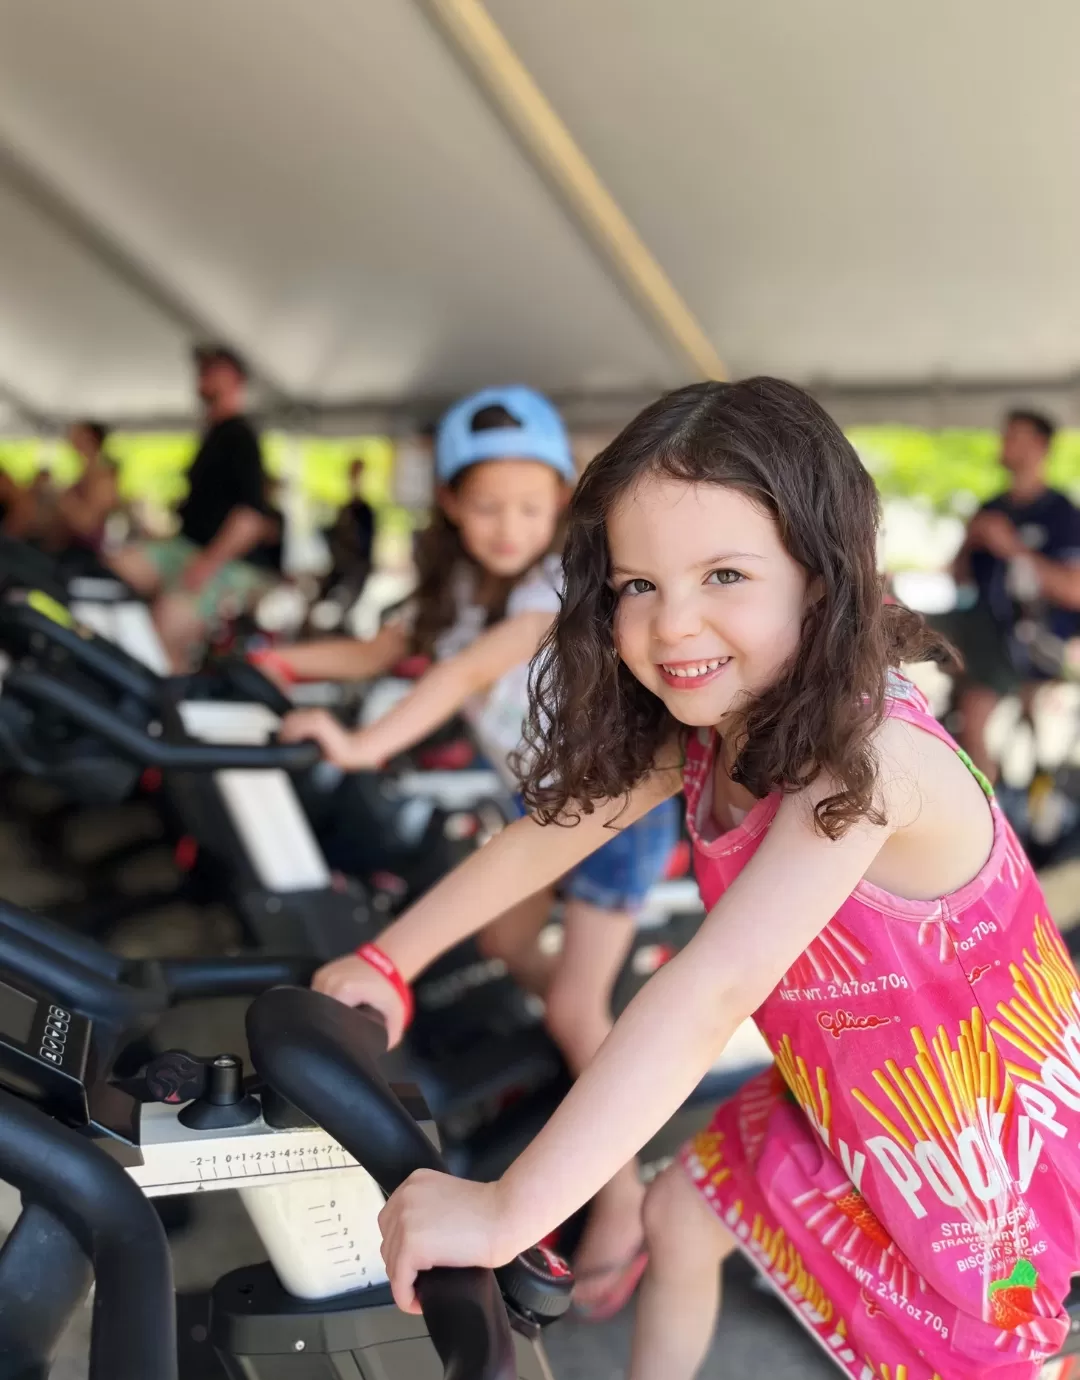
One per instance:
(1012, 1300)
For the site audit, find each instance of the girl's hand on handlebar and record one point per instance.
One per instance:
(346, 750)
(435, 1219)
(354, 982)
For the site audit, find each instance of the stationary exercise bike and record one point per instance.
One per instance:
(311, 1145)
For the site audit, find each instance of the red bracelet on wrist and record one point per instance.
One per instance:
(371, 953)
(275, 662)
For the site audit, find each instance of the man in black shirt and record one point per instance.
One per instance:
(229, 539)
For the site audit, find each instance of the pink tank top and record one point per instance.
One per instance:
(934, 1048)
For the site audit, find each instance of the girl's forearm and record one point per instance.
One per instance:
(433, 701)
(642, 1074)
(526, 857)
(345, 658)
(516, 864)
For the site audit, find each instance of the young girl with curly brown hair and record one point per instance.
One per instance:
(908, 1173)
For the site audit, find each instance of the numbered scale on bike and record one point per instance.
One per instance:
(309, 1200)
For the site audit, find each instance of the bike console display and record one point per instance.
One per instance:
(44, 1050)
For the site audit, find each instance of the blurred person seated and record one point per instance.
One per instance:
(77, 516)
(1031, 521)
(229, 543)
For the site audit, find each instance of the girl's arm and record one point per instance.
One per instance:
(660, 1048)
(442, 691)
(520, 861)
(346, 658)
(437, 697)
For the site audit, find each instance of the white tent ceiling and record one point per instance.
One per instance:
(865, 197)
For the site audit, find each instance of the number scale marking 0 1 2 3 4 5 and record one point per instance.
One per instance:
(177, 1159)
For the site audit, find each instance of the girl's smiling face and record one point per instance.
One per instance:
(710, 604)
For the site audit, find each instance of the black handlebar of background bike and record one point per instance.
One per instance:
(123, 994)
(321, 1055)
(242, 975)
(141, 747)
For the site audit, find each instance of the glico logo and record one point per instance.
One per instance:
(835, 1023)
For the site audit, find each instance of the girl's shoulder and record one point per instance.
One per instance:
(922, 772)
(539, 590)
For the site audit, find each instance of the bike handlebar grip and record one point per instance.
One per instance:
(45, 1269)
(289, 757)
(463, 1309)
(148, 751)
(133, 1330)
(320, 1055)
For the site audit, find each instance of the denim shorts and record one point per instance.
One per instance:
(620, 874)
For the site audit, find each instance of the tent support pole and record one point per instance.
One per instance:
(523, 107)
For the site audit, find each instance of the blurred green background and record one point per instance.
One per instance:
(943, 473)
(153, 464)
(153, 469)
(952, 471)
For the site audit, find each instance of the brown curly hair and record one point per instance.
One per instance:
(595, 731)
(440, 558)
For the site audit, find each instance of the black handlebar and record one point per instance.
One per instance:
(232, 679)
(321, 1056)
(127, 995)
(244, 975)
(133, 1333)
(149, 751)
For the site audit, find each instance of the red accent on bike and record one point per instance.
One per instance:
(453, 756)
(657, 955)
(555, 1263)
(266, 659)
(150, 780)
(678, 864)
(389, 882)
(186, 853)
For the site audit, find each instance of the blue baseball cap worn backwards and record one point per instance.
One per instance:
(540, 434)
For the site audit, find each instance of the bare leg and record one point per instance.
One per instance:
(579, 1018)
(135, 568)
(679, 1298)
(976, 704)
(513, 939)
(180, 628)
